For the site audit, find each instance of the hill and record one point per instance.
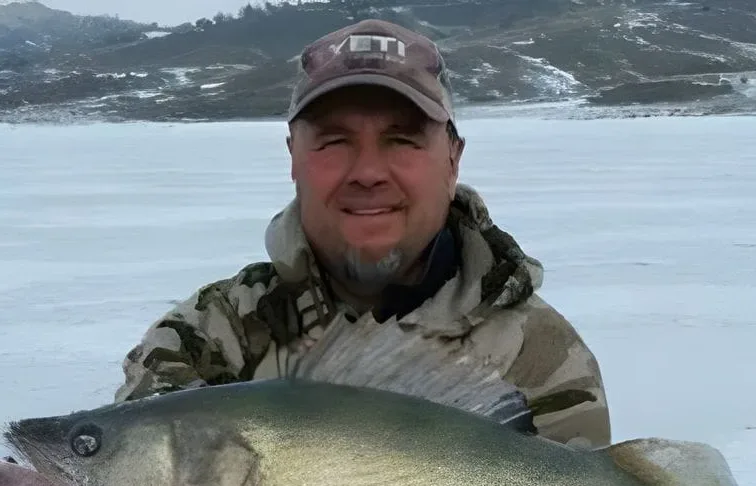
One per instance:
(684, 55)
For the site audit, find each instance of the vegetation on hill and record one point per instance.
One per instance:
(242, 64)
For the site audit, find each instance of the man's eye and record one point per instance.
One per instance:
(404, 141)
(333, 141)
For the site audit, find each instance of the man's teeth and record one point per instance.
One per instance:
(370, 212)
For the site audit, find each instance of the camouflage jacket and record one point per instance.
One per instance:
(249, 326)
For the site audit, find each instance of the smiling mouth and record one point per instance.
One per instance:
(370, 212)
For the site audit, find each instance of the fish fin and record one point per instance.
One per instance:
(11, 433)
(404, 360)
(662, 462)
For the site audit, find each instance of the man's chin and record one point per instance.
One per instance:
(380, 254)
(374, 236)
(368, 272)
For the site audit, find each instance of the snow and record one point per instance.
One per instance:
(748, 89)
(637, 19)
(645, 227)
(181, 73)
(240, 67)
(640, 41)
(548, 78)
(211, 85)
(122, 75)
(156, 34)
(746, 48)
(705, 55)
(145, 94)
(485, 71)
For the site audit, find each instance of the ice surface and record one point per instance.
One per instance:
(647, 229)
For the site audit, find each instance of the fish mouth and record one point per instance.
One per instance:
(41, 444)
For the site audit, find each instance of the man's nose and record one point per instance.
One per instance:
(369, 165)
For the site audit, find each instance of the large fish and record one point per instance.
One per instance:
(368, 405)
(291, 432)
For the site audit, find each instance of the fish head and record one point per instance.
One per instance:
(154, 440)
(95, 448)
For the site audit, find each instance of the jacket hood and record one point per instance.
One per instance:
(495, 270)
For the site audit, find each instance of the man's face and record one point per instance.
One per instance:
(374, 178)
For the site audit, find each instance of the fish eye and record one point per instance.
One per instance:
(86, 440)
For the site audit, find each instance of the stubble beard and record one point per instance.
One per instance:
(359, 275)
(369, 276)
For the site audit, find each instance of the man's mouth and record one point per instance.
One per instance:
(369, 212)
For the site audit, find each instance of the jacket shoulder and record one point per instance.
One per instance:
(215, 336)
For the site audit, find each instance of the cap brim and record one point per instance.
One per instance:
(427, 105)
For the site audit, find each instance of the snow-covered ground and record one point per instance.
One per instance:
(647, 229)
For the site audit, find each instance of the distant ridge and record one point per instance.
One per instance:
(635, 56)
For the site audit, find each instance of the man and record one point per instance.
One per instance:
(380, 230)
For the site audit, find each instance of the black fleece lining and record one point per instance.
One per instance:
(442, 257)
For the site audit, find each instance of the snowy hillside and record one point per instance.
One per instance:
(681, 54)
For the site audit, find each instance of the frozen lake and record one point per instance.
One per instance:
(646, 227)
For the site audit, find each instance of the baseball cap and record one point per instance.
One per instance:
(379, 53)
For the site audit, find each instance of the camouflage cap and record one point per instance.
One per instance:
(378, 53)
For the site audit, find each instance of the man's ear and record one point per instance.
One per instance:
(290, 148)
(457, 149)
(455, 156)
